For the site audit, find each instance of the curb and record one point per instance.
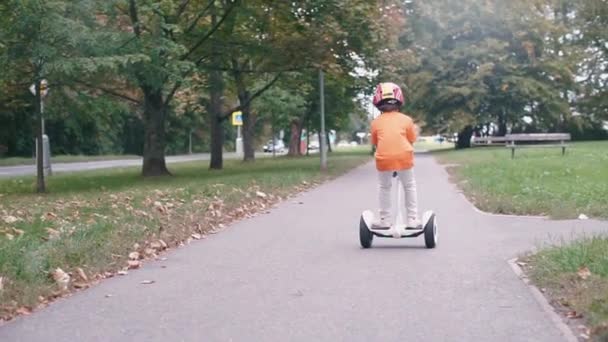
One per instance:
(479, 211)
(557, 321)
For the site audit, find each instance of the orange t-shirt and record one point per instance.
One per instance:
(394, 134)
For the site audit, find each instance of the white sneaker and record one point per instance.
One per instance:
(381, 224)
(414, 225)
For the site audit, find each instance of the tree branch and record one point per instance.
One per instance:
(227, 114)
(134, 17)
(211, 31)
(182, 7)
(172, 93)
(108, 91)
(198, 17)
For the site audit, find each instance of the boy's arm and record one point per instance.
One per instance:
(411, 132)
(374, 135)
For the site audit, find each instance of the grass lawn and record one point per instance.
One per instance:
(14, 161)
(575, 278)
(429, 144)
(90, 223)
(536, 182)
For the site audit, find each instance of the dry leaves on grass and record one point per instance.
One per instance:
(9, 219)
(81, 274)
(584, 273)
(61, 278)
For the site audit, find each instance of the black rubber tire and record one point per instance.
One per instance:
(365, 236)
(429, 233)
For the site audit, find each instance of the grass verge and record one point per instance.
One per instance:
(95, 224)
(15, 161)
(575, 278)
(536, 182)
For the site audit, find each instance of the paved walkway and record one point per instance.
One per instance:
(298, 274)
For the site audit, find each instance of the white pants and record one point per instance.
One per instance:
(411, 197)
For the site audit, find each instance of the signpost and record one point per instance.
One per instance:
(237, 120)
(323, 143)
(46, 146)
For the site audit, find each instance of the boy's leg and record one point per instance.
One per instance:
(411, 197)
(384, 194)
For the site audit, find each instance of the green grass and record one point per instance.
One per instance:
(101, 215)
(431, 145)
(537, 182)
(556, 269)
(14, 161)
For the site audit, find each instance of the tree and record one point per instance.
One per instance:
(43, 40)
(480, 65)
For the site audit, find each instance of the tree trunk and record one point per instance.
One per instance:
(502, 123)
(249, 118)
(217, 126)
(40, 184)
(216, 89)
(329, 150)
(154, 135)
(294, 142)
(307, 135)
(464, 138)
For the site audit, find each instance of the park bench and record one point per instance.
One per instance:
(489, 141)
(536, 140)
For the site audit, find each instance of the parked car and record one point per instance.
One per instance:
(279, 146)
(314, 145)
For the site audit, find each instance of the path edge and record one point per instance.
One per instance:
(557, 321)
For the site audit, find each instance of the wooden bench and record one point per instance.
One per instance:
(489, 141)
(537, 140)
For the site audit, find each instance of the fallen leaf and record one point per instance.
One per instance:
(133, 264)
(80, 285)
(9, 236)
(122, 273)
(156, 245)
(53, 234)
(135, 246)
(18, 232)
(148, 282)
(521, 263)
(584, 273)
(10, 219)
(23, 311)
(583, 217)
(573, 314)
(134, 255)
(261, 194)
(82, 274)
(163, 244)
(61, 278)
(159, 206)
(196, 236)
(1, 284)
(50, 216)
(149, 252)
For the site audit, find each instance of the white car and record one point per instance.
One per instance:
(279, 146)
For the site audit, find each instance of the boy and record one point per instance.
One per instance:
(393, 134)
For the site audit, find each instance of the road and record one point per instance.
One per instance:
(299, 274)
(24, 170)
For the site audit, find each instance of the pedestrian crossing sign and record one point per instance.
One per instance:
(237, 118)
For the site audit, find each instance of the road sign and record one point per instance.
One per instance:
(44, 88)
(237, 118)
